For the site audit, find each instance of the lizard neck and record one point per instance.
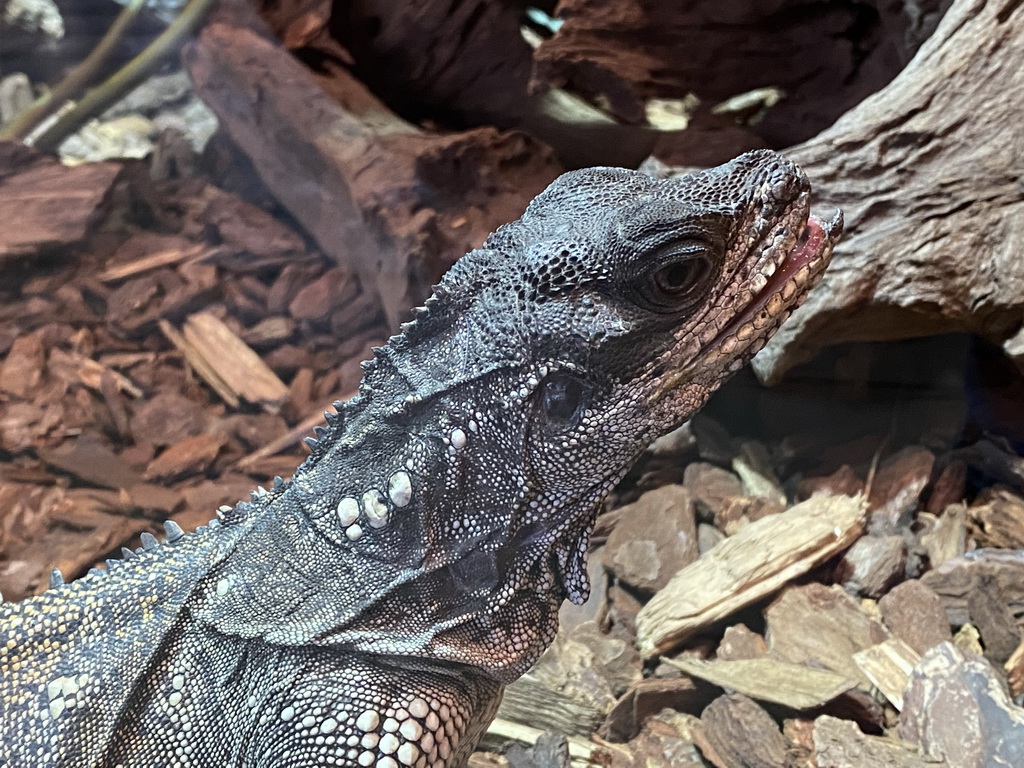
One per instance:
(404, 535)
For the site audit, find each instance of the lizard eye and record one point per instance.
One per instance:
(675, 279)
(562, 399)
(679, 277)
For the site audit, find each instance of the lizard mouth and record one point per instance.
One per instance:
(800, 270)
(781, 286)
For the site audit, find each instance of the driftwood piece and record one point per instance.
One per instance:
(925, 172)
(841, 744)
(47, 204)
(746, 567)
(623, 53)
(792, 685)
(957, 707)
(377, 194)
(469, 65)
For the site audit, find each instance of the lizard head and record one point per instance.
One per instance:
(460, 487)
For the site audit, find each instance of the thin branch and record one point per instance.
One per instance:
(77, 79)
(126, 78)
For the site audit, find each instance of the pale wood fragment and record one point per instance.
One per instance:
(199, 363)
(500, 731)
(1014, 667)
(888, 665)
(792, 685)
(746, 567)
(227, 363)
(90, 372)
(948, 537)
(153, 261)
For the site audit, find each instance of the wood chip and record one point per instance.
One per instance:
(1014, 667)
(91, 461)
(957, 579)
(737, 733)
(746, 567)
(501, 731)
(792, 685)
(55, 204)
(162, 258)
(226, 363)
(948, 535)
(888, 665)
(23, 365)
(646, 698)
(822, 627)
(89, 372)
(191, 456)
(841, 743)
(914, 614)
(957, 707)
(999, 520)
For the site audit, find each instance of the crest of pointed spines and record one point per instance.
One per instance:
(414, 330)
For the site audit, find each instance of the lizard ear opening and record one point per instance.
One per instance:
(561, 400)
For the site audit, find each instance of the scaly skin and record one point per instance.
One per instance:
(369, 612)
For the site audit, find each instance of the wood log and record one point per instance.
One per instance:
(928, 173)
(377, 194)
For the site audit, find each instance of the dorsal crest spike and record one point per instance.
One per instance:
(56, 578)
(173, 531)
(127, 554)
(149, 542)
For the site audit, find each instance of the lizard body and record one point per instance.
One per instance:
(370, 611)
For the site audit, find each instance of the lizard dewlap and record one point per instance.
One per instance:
(370, 611)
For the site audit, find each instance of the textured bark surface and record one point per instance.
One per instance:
(373, 191)
(55, 205)
(928, 172)
(957, 708)
(826, 57)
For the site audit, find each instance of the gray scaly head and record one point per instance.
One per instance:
(446, 513)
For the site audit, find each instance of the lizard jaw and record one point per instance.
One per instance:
(799, 271)
(795, 274)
